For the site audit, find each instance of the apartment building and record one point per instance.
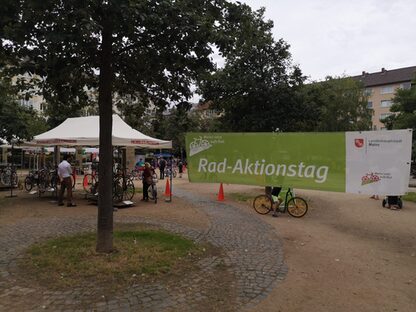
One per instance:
(381, 87)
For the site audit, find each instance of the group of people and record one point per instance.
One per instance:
(163, 164)
(65, 173)
(149, 170)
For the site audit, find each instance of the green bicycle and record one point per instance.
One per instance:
(296, 206)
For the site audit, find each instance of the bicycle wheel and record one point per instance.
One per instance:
(6, 177)
(262, 204)
(54, 180)
(154, 193)
(28, 184)
(74, 180)
(117, 190)
(129, 191)
(297, 207)
(87, 182)
(42, 182)
(150, 192)
(15, 178)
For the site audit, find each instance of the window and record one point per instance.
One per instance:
(384, 116)
(387, 90)
(368, 91)
(405, 85)
(370, 105)
(386, 103)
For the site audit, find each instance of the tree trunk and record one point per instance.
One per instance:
(105, 178)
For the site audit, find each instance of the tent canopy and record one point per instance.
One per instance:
(84, 131)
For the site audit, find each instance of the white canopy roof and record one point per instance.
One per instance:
(85, 131)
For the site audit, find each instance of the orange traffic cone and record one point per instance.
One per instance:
(221, 193)
(167, 189)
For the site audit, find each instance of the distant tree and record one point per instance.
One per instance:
(404, 107)
(176, 123)
(206, 124)
(404, 117)
(256, 88)
(153, 48)
(336, 104)
(17, 121)
(135, 112)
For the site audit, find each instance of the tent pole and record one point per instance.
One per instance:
(11, 175)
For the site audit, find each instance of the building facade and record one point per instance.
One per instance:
(381, 88)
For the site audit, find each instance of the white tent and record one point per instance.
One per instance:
(84, 131)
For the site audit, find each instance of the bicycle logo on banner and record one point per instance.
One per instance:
(198, 145)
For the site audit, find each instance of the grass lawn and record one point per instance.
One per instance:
(411, 196)
(241, 197)
(139, 254)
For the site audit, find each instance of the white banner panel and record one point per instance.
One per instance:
(378, 162)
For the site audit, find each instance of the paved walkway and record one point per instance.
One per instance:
(253, 255)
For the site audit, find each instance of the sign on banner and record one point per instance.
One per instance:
(371, 162)
(378, 162)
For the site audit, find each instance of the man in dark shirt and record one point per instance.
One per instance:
(162, 165)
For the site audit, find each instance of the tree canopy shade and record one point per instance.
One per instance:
(147, 49)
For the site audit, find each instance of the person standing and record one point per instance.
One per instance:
(162, 165)
(180, 168)
(65, 173)
(147, 181)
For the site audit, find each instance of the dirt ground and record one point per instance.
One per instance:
(347, 254)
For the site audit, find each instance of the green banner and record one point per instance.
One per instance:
(301, 160)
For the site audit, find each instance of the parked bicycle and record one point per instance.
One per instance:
(90, 180)
(152, 190)
(123, 188)
(31, 180)
(45, 179)
(296, 206)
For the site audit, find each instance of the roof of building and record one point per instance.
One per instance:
(385, 76)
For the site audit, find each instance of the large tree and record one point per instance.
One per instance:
(152, 49)
(336, 104)
(256, 88)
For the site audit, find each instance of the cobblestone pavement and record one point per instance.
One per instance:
(253, 254)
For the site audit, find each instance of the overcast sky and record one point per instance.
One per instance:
(336, 37)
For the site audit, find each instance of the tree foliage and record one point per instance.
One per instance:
(336, 104)
(404, 105)
(17, 122)
(176, 123)
(150, 49)
(256, 88)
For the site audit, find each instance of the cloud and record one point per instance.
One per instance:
(335, 37)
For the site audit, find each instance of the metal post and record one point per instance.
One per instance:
(11, 176)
